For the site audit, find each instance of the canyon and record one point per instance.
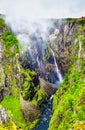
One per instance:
(42, 68)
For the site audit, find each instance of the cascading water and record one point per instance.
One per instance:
(79, 52)
(79, 55)
(57, 69)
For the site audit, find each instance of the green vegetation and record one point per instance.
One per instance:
(10, 62)
(28, 86)
(2, 24)
(9, 69)
(39, 97)
(69, 102)
(1, 75)
(71, 20)
(10, 44)
(29, 90)
(55, 47)
(32, 125)
(15, 81)
(13, 107)
(9, 126)
(9, 39)
(83, 41)
(80, 21)
(47, 53)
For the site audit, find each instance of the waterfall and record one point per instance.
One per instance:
(79, 55)
(38, 62)
(79, 52)
(57, 69)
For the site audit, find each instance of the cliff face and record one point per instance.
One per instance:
(69, 100)
(9, 70)
(9, 53)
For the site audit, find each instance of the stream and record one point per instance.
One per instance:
(45, 117)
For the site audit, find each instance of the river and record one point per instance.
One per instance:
(46, 109)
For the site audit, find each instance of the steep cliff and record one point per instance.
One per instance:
(69, 100)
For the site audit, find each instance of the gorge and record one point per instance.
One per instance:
(42, 68)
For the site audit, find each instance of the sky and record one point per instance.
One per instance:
(43, 8)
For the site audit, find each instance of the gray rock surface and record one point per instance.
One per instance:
(4, 117)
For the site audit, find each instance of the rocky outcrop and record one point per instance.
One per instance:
(4, 117)
(1, 94)
(1, 52)
(2, 74)
(60, 41)
(30, 111)
(48, 88)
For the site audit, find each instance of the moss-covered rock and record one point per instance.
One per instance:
(29, 83)
(44, 91)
